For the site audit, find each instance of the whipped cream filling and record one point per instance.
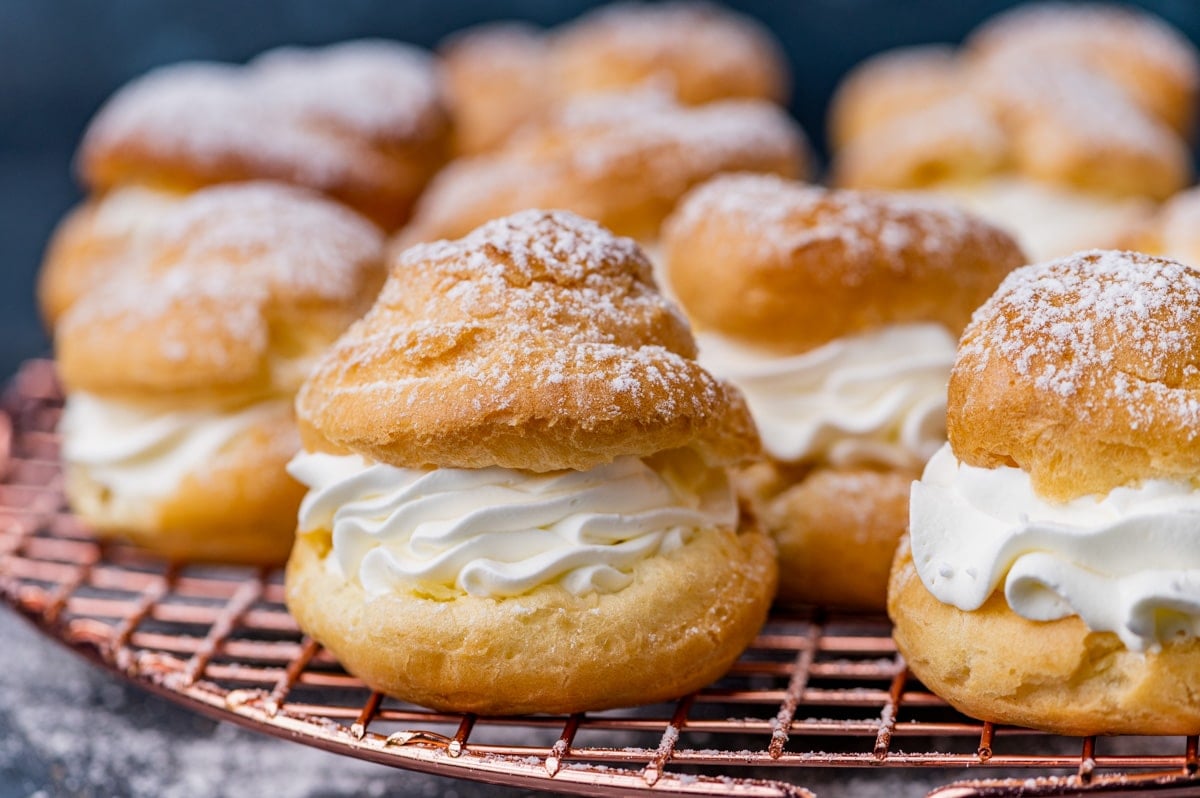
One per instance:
(877, 397)
(502, 532)
(1127, 562)
(1050, 221)
(147, 452)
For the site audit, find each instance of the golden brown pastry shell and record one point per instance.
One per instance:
(1128, 408)
(538, 342)
(681, 624)
(836, 529)
(788, 267)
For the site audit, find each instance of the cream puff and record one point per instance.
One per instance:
(700, 51)
(95, 240)
(518, 496)
(363, 122)
(893, 84)
(1053, 574)
(503, 75)
(497, 77)
(836, 313)
(1153, 63)
(623, 160)
(181, 367)
(1043, 141)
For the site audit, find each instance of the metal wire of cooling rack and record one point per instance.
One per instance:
(814, 690)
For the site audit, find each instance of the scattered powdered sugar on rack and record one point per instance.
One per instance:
(1099, 328)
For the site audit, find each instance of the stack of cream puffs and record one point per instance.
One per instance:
(836, 312)
(518, 489)
(181, 366)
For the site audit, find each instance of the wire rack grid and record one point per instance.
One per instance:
(816, 689)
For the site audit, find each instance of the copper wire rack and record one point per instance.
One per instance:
(816, 689)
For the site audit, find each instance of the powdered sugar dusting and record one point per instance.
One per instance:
(221, 256)
(378, 88)
(652, 32)
(290, 111)
(1076, 98)
(611, 157)
(295, 240)
(1099, 328)
(596, 131)
(569, 247)
(1091, 30)
(784, 217)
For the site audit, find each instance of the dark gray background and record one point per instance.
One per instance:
(69, 729)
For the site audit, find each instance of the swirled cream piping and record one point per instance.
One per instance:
(1127, 562)
(878, 397)
(501, 532)
(139, 451)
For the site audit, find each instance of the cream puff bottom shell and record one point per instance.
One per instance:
(680, 625)
(1057, 676)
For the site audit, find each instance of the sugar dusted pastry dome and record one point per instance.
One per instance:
(788, 267)
(621, 159)
(1084, 372)
(360, 121)
(537, 342)
(236, 289)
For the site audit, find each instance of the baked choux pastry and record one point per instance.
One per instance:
(497, 77)
(836, 313)
(1048, 145)
(623, 160)
(504, 75)
(518, 494)
(895, 83)
(181, 367)
(1153, 63)
(1053, 576)
(700, 51)
(95, 240)
(362, 122)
